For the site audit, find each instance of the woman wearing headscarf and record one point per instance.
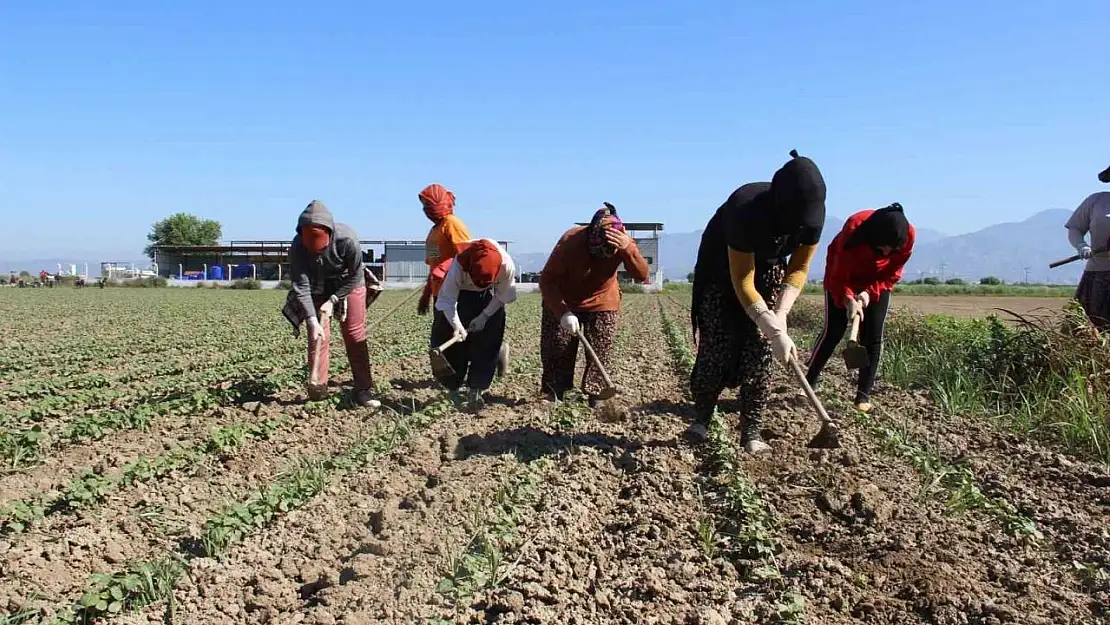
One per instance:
(745, 286)
(864, 262)
(1093, 217)
(448, 232)
(580, 293)
(328, 281)
(479, 283)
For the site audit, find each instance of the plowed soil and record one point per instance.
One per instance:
(564, 515)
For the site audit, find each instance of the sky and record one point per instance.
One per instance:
(116, 114)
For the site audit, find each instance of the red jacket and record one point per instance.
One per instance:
(857, 269)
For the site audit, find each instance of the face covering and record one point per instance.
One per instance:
(315, 239)
(604, 219)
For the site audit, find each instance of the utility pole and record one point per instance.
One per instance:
(1026, 274)
(943, 266)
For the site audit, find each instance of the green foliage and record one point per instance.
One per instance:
(991, 281)
(246, 284)
(931, 281)
(955, 282)
(1045, 380)
(285, 285)
(183, 229)
(631, 287)
(142, 584)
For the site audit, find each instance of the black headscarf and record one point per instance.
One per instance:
(798, 194)
(886, 226)
(1104, 175)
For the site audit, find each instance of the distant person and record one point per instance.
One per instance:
(580, 293)
(1093, 217)
(479, 283)
(744, 286)
(326, 266)
(448, 232)
(864, 262)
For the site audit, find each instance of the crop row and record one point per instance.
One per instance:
(91, 487)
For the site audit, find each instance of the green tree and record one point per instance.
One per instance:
(183, 229)
(991, 280)
(690, 277)
(955, 281)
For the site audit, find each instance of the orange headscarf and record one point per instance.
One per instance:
(438, 202)
(481, 261)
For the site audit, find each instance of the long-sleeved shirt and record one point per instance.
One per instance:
(443, 243)
(574, 281)
(850, 271)
(1092, 217)
(332, 273)
(457, 280)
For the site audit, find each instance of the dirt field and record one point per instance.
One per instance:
(163, 466)
(976, 306)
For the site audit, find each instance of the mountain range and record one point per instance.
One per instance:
(1002, 250)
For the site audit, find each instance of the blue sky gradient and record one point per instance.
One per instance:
(113, 115)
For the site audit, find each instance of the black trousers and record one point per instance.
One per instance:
(475, 359)
(870, 336)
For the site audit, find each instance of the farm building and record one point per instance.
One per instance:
(646, 236)
(395, 261)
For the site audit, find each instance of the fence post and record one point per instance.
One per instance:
(254, 272)
(279, 272)
(203, 278)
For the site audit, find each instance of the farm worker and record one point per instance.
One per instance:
(328, 281)
(1093, 217)
(864, 262)
(447, 234)
(744, 286)
(480, 281)
(580, 293)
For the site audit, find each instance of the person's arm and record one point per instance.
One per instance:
(302, 284)
(1079, 224)
(352, 261)
(634, 262)
(551, 279)
(447, 301)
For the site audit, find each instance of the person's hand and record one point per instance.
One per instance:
(478, 324)
(569, 322)
(782, 346)
(315, 330)
(460, 334)
(619, 239)
(855, 309)
(424, 303)
(1085, 252)
(864, 299)
(326, 309)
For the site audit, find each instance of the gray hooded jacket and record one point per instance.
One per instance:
(335, 272)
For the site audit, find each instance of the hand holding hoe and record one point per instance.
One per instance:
(442, 369)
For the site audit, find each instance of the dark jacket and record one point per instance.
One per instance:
(333, 273)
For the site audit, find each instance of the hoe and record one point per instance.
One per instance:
(829, 436)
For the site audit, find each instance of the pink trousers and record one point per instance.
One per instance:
(354, 338)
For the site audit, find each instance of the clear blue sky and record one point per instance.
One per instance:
(113, 115)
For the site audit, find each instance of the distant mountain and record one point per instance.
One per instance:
(1003, 250)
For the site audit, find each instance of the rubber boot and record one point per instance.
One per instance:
(863, 403)
(365, 398)
(751, 439)
(458, 399)
(698, 430)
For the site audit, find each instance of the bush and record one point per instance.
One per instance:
(285, 285)
(991, 281)
(246, 284)
(154, 282)
(931, 281)
(955, 282)
(629, 287)
(1047, 381)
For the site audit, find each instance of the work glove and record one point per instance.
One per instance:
(315, 330)
(326, 309)
(782, 346)
(864, 299)
(786, 302)
(343, 315)
(1084, 252)
(569, 322)
(478, 323)
(460, 333)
